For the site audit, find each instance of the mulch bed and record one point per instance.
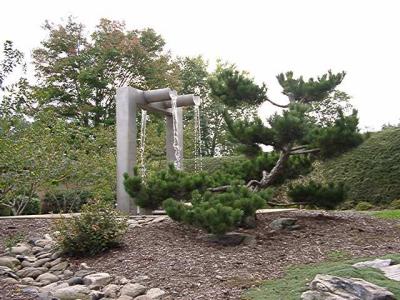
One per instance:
(180, 260)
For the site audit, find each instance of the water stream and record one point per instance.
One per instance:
(198, 163)
(143, 144)
(175, 144)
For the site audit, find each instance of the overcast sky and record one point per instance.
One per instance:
(263, 37)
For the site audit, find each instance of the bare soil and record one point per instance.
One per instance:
(181, 260)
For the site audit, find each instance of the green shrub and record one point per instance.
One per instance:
(65, 201)
(32, 207)
(218, 213)
(98, 228)
(362, 206)
(5, 211)
(327, 196)
(395, 204)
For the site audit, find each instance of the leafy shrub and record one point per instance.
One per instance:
(362, 206)
(327, 196)
(218, 213)
(395, 204)
(65, 201)
(98, 228)
(5, 211)
(32, 207)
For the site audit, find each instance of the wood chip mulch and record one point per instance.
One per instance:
(181, 261)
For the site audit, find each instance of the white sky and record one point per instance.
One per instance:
(263, 37)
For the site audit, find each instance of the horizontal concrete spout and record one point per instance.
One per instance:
(184, 100)
(159, 95)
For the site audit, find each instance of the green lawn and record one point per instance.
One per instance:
(387, 214)
(295, 281)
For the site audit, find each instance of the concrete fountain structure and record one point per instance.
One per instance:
(129, 101)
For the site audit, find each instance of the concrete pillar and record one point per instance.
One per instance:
(126, 110)
(171, 157)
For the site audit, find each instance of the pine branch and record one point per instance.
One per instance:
(276, 104)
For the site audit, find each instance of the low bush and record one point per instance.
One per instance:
(218, 213)
(98, 228)
(362, 206)
(65, 201)
(32, 207)
(325, 196)
(395, 204)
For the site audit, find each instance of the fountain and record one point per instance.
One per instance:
(164, 101)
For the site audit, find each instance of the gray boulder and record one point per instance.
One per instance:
(327, 287)
(97, 280)
(31, 272)
(111, 290)
(9, 261)
(21, 249)
(284, 223)
(73, 292)
(47, 277)
(155, 293)
(376, 263)
(133, 290)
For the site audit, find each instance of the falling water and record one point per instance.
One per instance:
(198, 164)
(143, 144)
(176, 136)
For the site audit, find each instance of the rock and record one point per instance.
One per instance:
(21, 248)
(47, 277)
(377, 263)
(43, 243)
(26, 258)
(83, 273)
(73, 292)
(124, 297)
(75, 281)
(48, 237)
(9, 261)
(133, 289)
(283, 223)
(143, 297)
(327, 287)
(26, 264)
(9, 280)
(158, 219)
(97, 280)
(40, 262)
(96, 295)
(54, 286)
(44, 254)
(32, 290)
(84, 266)
(68, 273)
(155, 293)
(27, 280)
(392, 272)
(231, 239)
(31, 272)
(122, 280)
(56, 254)
(36, 250)
(59, 267)
(6, 271)
(111, 290)
(54, 262)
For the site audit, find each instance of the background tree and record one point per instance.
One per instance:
(80, 74)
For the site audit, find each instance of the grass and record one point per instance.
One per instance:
(371, 171)
(387, 214)
(296, 280)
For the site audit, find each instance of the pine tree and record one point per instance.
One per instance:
(294, 131)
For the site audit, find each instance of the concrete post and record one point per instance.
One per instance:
(126, 110)
(171, 157)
